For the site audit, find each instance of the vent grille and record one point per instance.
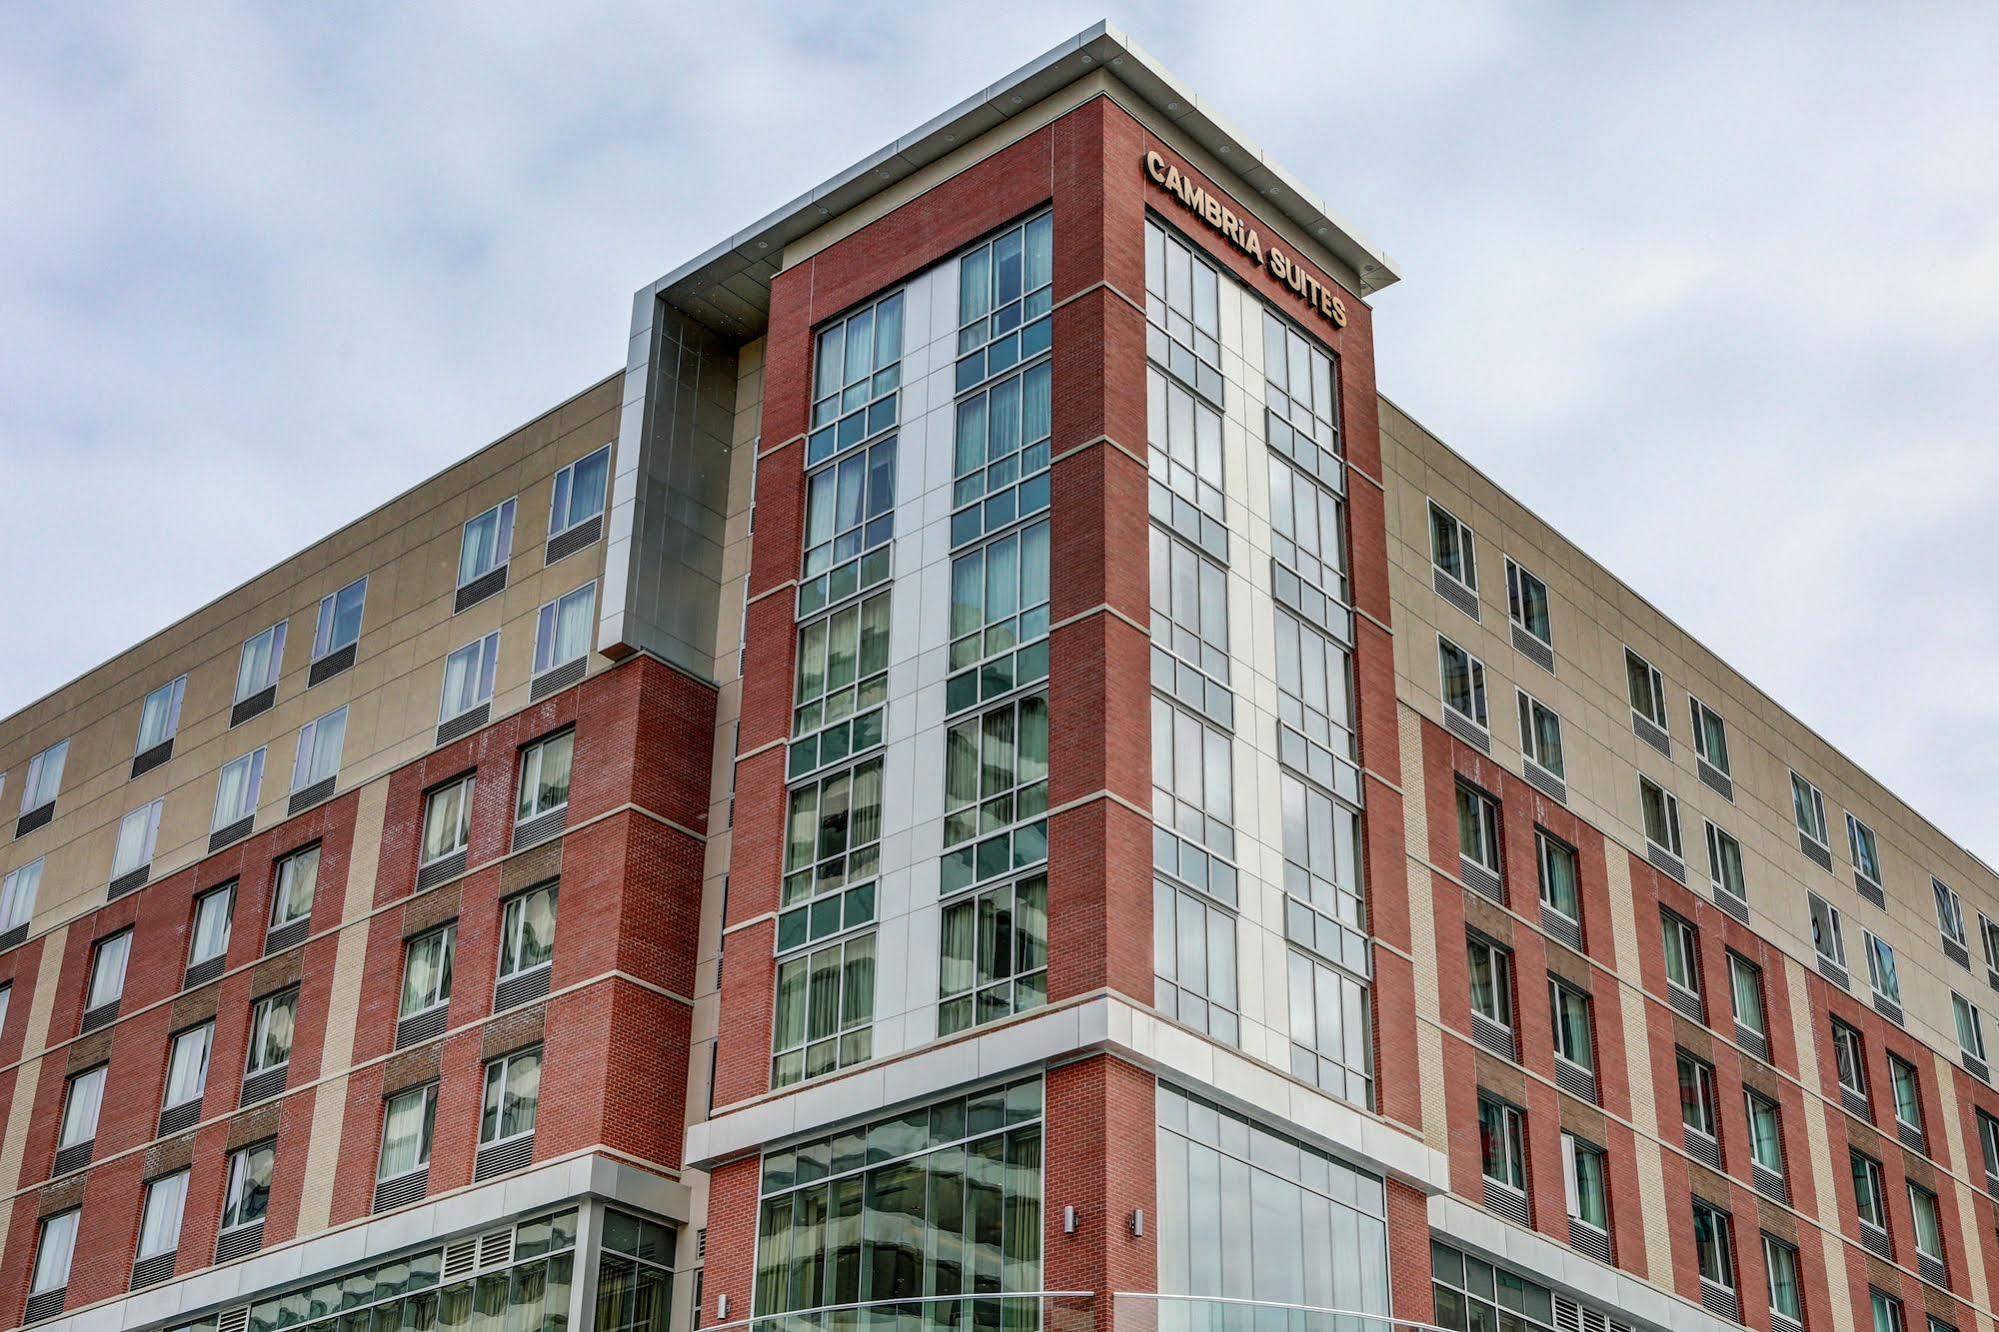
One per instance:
(1651, 733)
(1955, 951)
(1732, 904)
(152, 758)
(496, 1248)
(555, 679)
(330, 665)
(1720, 1302)
(1587, 1239)
(149, 1271)
(34, 819)
(1451, 590)
(1855, 1103)
(1715, 779)
(463, 724)
(251, 706)
(1561, 927)
(1752, 1042)
(1835, 973)
(1888, 1008)
(130, 881)
(1492, 1037)
(1688, 1006)
(73, 1157)
(45, 1305)
(99, 1016)
(234, 1320)
(437, 871)
(287, 935)
(701, 1244)
(306, 798)
(1820, 854)
(179, 1118)
(1769, 1183)
(402, 1191)
(499, 1159)
(476, 591)
(459, 1259)
(1509, 1203)
(1702, 1148)
(1534, 649)
(1577, 1082)
(203, 972)
(234, 832)
(1870, 891)
(1782, 1323)
(1877, 1242)
(564, 544)
(539, 828)
(1975, 1066)
(1467, 730)
(1912, 1138)
(263, 1086)
(1547, 783)
(421, 1026)
(1666, 861)
(523, 988)
(14, 936)
(1481, 879)
(242, 1240)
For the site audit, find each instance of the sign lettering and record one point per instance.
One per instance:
(1287, 270)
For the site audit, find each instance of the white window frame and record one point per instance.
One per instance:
(175, 690)
(49, 1272)
(1513, 1141)
(1516, 601)
(1655, 687)
(239, 1175)
(307, 763)
(82, 1107)
(146, 820)
(530, 769)
(1834, 924)
(43, 780)
(204, 1033)
(273, 667)
(486, 654)
(1467, 547)
(1750, 1097)
(177, 1182)
(1699, 713)
(252, 789)
(548, 622)
(329, 614)
(261, 1012)
(1530, 735)
(1881, 967)
(1474, 674)
(513, 928)
(18, 892)
(1961, 1008)
(1670, 810)
(503, 540)
(1771, 1245)
(283, 893)
(463, 789)
(1489, 825)
(562, 488)
(1895, 1065)
(1807, 801)
(1674, 922)
(1572, 1147)
(1707, 1095)
(440, 994)
(1740, 965)
(1935, 1209)
(1847, 1036)
(426, 1132)
(113, 951)
(1501, 964)
(1543, 841)
(1859, 835)
(1722, 1226)
(501, 1066)
(1988, 937)
(1950, 913)
(1716, 836)
(1556, 987)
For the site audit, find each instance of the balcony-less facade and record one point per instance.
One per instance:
(989, 779)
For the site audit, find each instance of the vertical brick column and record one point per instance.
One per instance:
(1101, 1158)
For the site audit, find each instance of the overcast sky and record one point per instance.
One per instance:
(1715, 289)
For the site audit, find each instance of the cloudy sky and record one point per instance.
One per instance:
(1713, 288)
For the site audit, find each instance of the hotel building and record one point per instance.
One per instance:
(987, 777)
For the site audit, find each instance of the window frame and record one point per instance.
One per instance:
(1511, 1137)
(1923, 1200)
(1467, 543)
(1883, 976)
(150, 812)
(426, 1132)
(464, 788)
(1721, 1232)
(328, 622)
(1865, 850)
(1861, 1165)
(262, 1009)
(440, 988)
(483, 675)
(1669, 813)
(1719, 837)
(1573, 1149)
(1544, 842)
(548, 624)
(251, 790)
(306, 760)
(1486, 818)
(1532, 746)
(44, 773)
(503, 1065)
(273, 666)
(70, 1131)
(1499, 965)
(562, 486)
(1900, 1071)
(1675, 926)
(233, 1200)
(1960, 1008)
(1808, 811)
(1849, 1051)
(536, 749)
(182, 1176)
(227, 892)
(1637, 667)
(205, 1029)
(1950, 914)
(17, 903)
(1706, 1100)
(100, 951)
(1474, 674)
(1517, 577)
(284, 889)
(1705, 742)
(1740, 971)
(1792, 1308)
(513, 928)
(1751, 1099)
(1822, 911)
(39, 1276)
(503, 515)
(176, 691)
(1560, 989)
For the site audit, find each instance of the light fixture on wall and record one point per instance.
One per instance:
(1068, 1220)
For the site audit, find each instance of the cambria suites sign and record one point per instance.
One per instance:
(1243, 236)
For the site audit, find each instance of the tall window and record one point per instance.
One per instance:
(999, 618)
(53, 1250)
(1724, 864)
(319, 745)
(562, 628)
(527, 930)
(1907, 1092)
(486, 543)
(1780, 1267)
(249, 1192)
(1464, 681)
(1700, 1107)
(1478, 827)
(1682, 950)
(1887, 1312)
(1714, 1245)
(1950, 914)
(82, 1099)
(1451, 547)
(187, 1065)
(1584, 1184)
(1988, 933)
(1745, 986)
(296, 885)
(1301, 400)
(825, 1010)
(427, 971)
(545, 768)
(1988, 1146)
(339, 622)
(1540, 733)
(1646, 688)
(1881, 967)
(1828, 933)
(408, 1121)
(209, 937)
(1661, 810)
(1766, 1137)
(447, 820)
(1307, 531)
(1193, 794)
(849, 521)
(1970, 1027)
(468, 676)
(1183, 311)
(1849, 1058)
(513, 1092)
(1808, 807)
(578, 493)
(995, 954)
(44, 777)
(107, 970)
(1870, 1191)
(1001, 454)
(260, 661)
(159, 1223)
(272, 1022)
(1570, 1009)
(1556, 861)
(136, 834)
(17, 895)
(159, 715)
(840, 685)
(1491, 970)
(1005, 291)
(832, 854)
(1190, 634)
(1710, 736)
(1329, 1030)
(1194, 961)
(1185, 434)
(1502, 1144)
(1314, 701)
(237, 789)
(1860, 840)
(1527, 603)
(996, 792)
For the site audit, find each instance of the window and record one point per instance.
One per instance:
(840, 683)
(447, 820)
(1710, 736)
(1301, 405)
(832, 854)
(513, 1091)
(1491, 980)
(849, 522)
(249, 1185)
(1583, 1183)
(107, 970)
(1808, 807)
(1950, 914)
(995, 790)
(1183, 311)
(1682, 947)
(578, 494)
(1866, 860)
(1527, 603)
(562, 628)
(468, 676)
(272, 1019)
(1000, 454)
(999, 620)
(1478, 827)
(82, 1099)
(1745, 987)
(1185, 461)
(1887, 1312)
(1780, 1267)
(1724, 864)
(53, 1251)
(1849, 1058)
(545, 776)
(1314, 701)
(17, 895)
(427, 971)
(527, 931)
(1870, 1191)
(1451, 548)
(1714, 1245)
(1988, 933)
(339, 618)
(44, 777)
(187, 1065)
(487, 543)
(159, 1224)
(408, 1119)
(1662, 815)
(1988, 1144)
(209, 936)
(319, 746)
(1766, 1136)
(1306, 535)
(995, 954)
(237, 789)
(1700, 1108)
(1322, 881)
(1190, 632)
(1464, 682)
(136, 833)
(1881, 967)
(1194, 961)
(1908, 1094)
(1928, 1227)
(6, 1001)
(1970, 1027)
(1193, 781)
(159, 716)
(1540, 733)
(297, 884)
(1007, 284)
(825, 1010)
(1646, 687)
(258, 665)
(1329, 1030)
(1501, 1143)
(1828, 935)
(1557, 863)
(1570, 1009)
